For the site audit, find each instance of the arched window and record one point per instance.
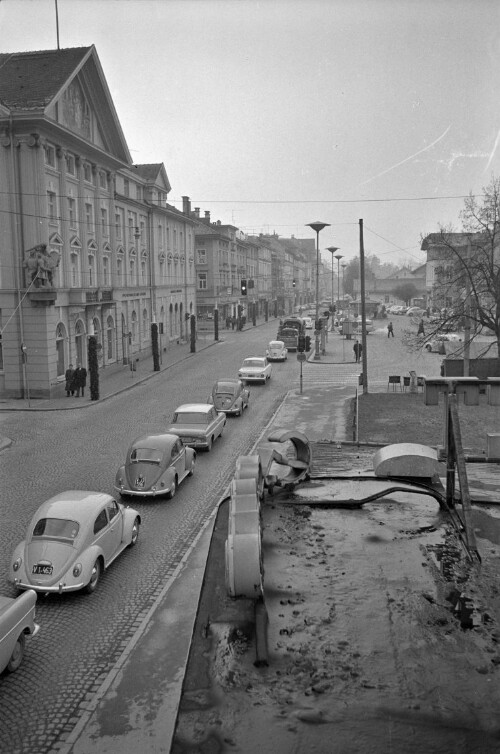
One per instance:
(171, 318)
(61, 341)
(80, 343)
(134, 327)
(145, 324)
(91, 278)
(110, 338)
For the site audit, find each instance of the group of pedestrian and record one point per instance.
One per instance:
(76, 380)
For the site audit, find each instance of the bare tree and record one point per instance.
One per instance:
(466, 264)
(405, 292)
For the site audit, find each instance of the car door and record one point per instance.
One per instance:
(178, 458)
(108, 529)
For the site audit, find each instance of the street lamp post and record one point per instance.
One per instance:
(317, 226)
(338, 257)
(343, 265)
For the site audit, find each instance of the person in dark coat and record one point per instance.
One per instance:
(70, 375)
(358, 350)
(421, 329)
(80, 380)
(390, 330)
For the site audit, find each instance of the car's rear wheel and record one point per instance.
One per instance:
(191, 470)
(17, 655)
(135, 532)
(94, 577)
(209, 444)
(172, 490)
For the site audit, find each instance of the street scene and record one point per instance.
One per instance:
(249, 377)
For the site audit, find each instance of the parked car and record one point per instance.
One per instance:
(369, 326)
(17, 621)
(230, 396)
(198, 424)
(72, 538)
(415, 311)
(255, 369)
(436, 344)
(155, 466)
(276, 351)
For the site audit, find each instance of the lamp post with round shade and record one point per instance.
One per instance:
(317, 226)
(338, 257)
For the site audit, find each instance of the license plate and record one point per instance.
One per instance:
(42, 570)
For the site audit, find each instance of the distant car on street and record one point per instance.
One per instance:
(72, 538)
(276, 351)
(230, 396)
(155, 466)
(436, 345)
(198, 424)
(255, 369)
(415, 311)
(308, 322)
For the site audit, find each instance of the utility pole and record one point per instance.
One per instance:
(363, 312)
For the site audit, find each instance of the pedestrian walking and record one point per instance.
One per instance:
(390, 330)
(80, 380)
(358, 350)
(421, 329)
(69, 376)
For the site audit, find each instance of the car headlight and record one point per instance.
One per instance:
(77, 569)
(17, 564)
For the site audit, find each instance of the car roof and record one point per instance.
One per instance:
(73, 504)
(227, 381)
(262, 358)
(275, 343)
(162, 441)
(189, 407)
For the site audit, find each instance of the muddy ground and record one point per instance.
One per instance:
(383, 635)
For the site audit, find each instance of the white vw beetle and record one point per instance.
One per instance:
(276, 351)
(72, 538)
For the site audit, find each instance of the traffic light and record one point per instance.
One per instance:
(293, 282)
(318, 324)
(243, 287)
(301, 344)
(308, 342)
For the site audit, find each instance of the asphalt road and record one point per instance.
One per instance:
(82, 636)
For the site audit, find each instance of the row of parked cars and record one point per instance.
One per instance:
(75, 535)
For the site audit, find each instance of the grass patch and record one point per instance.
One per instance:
(404, 417)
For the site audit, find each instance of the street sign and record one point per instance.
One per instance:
(301, 357)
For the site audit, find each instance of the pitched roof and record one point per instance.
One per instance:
(30, 80)
(149, 171)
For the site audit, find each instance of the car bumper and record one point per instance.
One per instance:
(141, 493)
(57, 589)
(253, 377)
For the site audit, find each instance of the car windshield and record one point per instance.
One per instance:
(226, 388)
(253, 363)
(56, 528)
(276, 344)
(189, 417)
(145, 455)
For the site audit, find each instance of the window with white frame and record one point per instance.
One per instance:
(105, 270)
(92, 280)
(132, 270)
(72, 215)
(126, 187)
(52, 206)
(75, 269)
(70, 164)
(89, 217)
(143, 272)
(202, 281)
(50, 155)
(103, 180)
(104, 221)
(119, 271)
(118, 226)
(138, 193)
(202, 256)
(87, 172)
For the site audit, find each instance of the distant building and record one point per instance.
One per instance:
(89, 243)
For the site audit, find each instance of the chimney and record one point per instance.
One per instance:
(196, 211)
(207, 216)
(186, 205)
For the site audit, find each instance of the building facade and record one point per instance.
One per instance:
(89, 243)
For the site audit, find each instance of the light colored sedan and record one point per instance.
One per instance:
(198, 424)
(17, 621)
(437, 344)
(276, 351)
(255, 369)
(72, 538)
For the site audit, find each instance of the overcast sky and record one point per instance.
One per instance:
(275, 113)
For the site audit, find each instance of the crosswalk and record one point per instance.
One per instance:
(346, 375)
